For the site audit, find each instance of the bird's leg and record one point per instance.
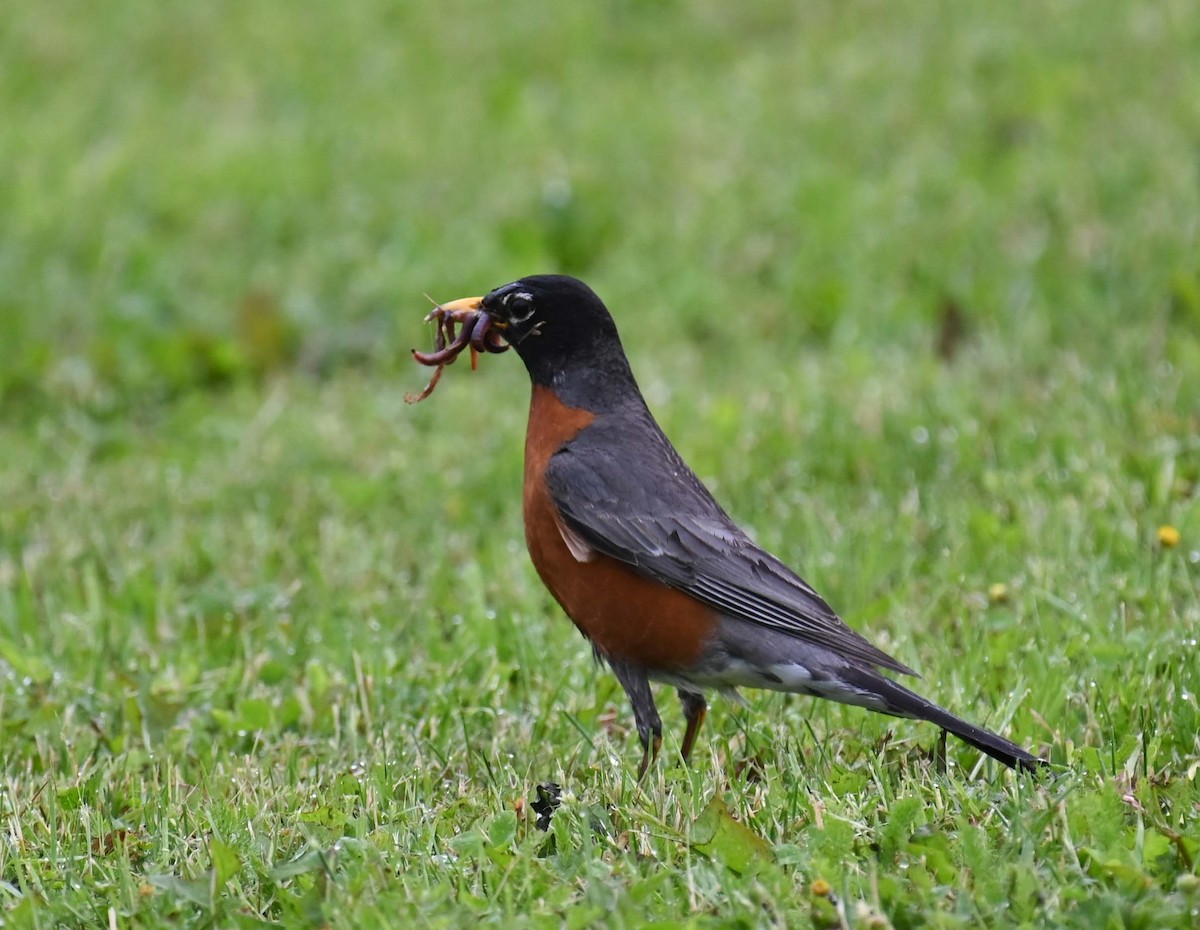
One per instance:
(694, 710)
(645, 714)
(650, 750)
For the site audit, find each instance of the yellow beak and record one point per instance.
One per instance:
(462, 304)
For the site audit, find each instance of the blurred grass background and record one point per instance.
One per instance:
(202, 193)
(916, 289)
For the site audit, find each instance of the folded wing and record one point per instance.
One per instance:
(675, 532)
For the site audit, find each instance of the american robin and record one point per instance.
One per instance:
(647, 564)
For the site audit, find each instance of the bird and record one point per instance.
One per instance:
(661, 581)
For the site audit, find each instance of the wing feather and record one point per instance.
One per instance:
(676, 533)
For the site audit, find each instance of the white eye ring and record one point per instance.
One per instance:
(507, 300)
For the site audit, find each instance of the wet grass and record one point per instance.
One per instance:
(916, 292)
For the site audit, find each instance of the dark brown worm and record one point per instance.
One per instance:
(494, 342)
(449, 352)
(477, 333)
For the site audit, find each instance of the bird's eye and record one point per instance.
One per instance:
(519, 306)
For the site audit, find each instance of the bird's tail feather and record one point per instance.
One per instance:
(904, 703)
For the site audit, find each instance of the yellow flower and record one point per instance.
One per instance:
(1168, 537)
(820, 888)
(998, 593)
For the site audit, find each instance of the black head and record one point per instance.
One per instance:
(558, 326)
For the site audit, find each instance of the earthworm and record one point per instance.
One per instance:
(478, 331)
(477, 334)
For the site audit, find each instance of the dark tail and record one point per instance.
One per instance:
(904, 703)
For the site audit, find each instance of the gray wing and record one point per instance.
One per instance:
(652, 513)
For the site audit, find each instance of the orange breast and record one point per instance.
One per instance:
(625, 615)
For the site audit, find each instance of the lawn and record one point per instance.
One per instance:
(914, 288)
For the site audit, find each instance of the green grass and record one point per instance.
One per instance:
(271, 651)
